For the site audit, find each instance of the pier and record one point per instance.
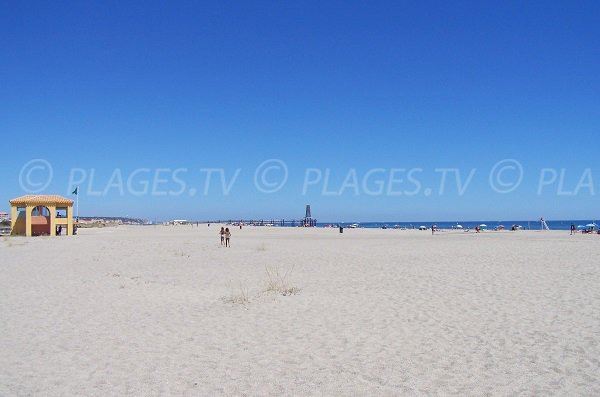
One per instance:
(307, 221)
(268, 222)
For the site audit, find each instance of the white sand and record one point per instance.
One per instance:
(139, 311)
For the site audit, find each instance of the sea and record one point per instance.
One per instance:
(491, 225)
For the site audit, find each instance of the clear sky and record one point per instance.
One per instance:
(373, 110)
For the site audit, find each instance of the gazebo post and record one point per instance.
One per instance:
(70, 220)
(28, 211)
(52, 209)
(14, 213)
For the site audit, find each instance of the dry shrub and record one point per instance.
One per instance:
(12, 241)
(279, 283)
(7, 240)
(239, 294)
(181, 254)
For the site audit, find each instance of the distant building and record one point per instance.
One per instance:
(308, 220)
(4, 217)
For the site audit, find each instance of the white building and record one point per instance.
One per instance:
(4, 216)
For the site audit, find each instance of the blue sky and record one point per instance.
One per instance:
(100, 90)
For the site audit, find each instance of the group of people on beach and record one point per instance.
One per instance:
(225, 236)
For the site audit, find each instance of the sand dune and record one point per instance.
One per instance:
(149, 311)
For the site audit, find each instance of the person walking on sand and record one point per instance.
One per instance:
(572, 228)
(222, 233)
(432, 229)
(227, 236)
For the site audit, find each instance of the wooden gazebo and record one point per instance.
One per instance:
(35, 215)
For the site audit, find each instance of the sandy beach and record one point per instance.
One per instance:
(167, 311)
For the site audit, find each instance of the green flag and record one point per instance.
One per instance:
(75, 191)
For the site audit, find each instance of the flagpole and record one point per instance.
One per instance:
(77, 202)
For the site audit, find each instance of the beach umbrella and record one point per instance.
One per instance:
(579, 227)
(483, 225)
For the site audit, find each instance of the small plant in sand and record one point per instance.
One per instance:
(181, 254)
(239, 294)
(261, 247)
(279, 283)
(11, 241)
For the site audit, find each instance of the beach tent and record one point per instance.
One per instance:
(483, 226)
(422, 227)
(591, 226)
